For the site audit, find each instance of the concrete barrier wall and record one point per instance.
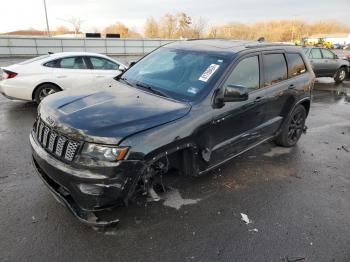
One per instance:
(33, 46)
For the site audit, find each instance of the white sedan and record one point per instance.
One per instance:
(34, 79)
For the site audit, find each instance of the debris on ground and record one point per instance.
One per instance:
(277, 151)
(246, 219)
(253, 230)
(294, 259)
(174, 199)
(345, 149)
(34, 220)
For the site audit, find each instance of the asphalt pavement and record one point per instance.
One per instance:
(270, 204)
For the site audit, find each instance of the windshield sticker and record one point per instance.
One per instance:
(208, 72)
(193, 90)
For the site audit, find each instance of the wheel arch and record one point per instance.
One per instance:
(306, 104)
(43, 83)
(183, 157)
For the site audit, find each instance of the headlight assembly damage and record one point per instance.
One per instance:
(95, 154)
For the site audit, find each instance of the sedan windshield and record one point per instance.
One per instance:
(179, 74)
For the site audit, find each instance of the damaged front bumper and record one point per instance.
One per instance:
(86, 191)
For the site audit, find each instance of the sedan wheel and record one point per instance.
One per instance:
(340, 76)
(45, 90)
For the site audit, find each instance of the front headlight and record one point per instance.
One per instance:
(94, 153)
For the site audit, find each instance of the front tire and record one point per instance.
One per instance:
(44, 90)
(292, 128)
(340, 75)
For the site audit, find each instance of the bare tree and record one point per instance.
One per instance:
(168, 25)
(75, 22)
(183, 25)
(151, 29)
(199, 27)
(123, 30)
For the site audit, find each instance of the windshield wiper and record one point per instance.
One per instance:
(125, 81)
(150, 88)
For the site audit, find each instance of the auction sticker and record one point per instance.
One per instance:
(208, 72)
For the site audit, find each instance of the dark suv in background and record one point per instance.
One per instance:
(190, 106)
(327, 64)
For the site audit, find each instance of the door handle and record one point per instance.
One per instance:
(61, 76)
(291, 86)
(258, 99)
(100, 76)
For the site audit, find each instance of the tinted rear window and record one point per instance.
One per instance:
(275, 68)
(296, 65)
(76, 62)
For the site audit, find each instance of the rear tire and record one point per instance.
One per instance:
(44, 90)
(292, 128)
(340, 76)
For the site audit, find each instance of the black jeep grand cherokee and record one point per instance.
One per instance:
(189, 105)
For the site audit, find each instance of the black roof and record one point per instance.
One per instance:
(224, 45)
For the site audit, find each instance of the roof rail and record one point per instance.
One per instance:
(267, 45)
(206, 38)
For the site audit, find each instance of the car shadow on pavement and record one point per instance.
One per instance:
(15, 110)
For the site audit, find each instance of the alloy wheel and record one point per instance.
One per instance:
(296, 126)
(45, 92)
(342, 74)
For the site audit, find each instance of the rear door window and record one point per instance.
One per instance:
(76, 62)
(99, 63)
(275, 68)
(315, 53)
(327, 54)
(246, 74)
(296, 65)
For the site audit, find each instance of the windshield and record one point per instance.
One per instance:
(180, 74)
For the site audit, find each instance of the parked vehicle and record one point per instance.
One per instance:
(347, 57)
(36, 78)
(190, 105)
(338, 46)
(325, 63)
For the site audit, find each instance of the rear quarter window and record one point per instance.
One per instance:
(275, 68)
(296, 65)
(52, 63)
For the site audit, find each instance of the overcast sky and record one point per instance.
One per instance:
(23, 14)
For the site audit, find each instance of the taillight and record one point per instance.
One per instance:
(8, 74)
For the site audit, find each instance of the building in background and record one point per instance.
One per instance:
(334, 39)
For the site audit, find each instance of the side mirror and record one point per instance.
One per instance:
(122, 68)
(235, 93)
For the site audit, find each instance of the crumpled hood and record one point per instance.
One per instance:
(109, 114)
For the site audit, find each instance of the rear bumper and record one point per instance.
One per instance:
(86, 191)
(13, 92)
